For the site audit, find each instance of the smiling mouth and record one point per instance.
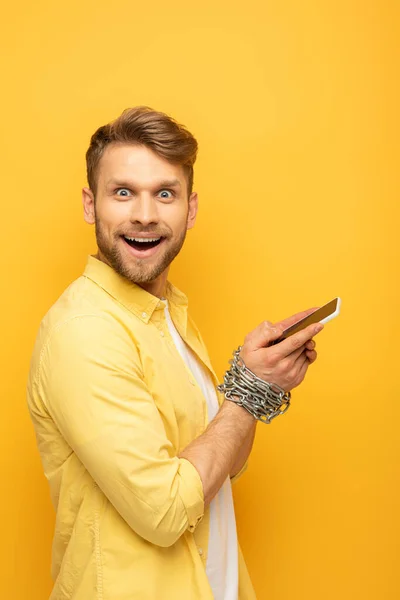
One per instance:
(143, 244)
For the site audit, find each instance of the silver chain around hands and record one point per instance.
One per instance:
(263, 400)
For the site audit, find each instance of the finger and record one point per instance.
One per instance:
(303, 370)
(311, 356)
(296, 340)
(300, 362)
(294, 318)
(262, 335)
(299, 370)
(295, 355)
(310, 345)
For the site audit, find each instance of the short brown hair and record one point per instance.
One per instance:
(144, 126)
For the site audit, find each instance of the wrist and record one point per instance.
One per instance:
(237, 412)
(264, 401)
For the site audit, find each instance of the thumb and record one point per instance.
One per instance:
(263, 335)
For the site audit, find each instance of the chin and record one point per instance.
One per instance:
(140, 274)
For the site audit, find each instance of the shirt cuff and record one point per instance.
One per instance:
(192, 493)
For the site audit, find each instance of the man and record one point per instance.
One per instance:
(138, 446)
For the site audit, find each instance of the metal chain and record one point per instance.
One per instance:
(262, 399)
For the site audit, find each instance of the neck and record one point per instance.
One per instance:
(158, 287)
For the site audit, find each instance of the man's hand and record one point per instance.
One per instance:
(285, 363)
(224, 446)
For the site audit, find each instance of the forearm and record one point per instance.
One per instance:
(244, 451)
(215, 452)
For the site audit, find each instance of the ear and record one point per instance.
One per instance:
(88, 205)
(193, 208)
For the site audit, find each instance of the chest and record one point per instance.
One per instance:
(174, 384)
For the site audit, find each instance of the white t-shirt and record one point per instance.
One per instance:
(222, 559)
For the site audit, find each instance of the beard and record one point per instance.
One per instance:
(134, 269)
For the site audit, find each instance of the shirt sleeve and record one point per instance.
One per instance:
(240, 473)
(90, 381)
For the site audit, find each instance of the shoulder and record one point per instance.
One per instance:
(82, 323)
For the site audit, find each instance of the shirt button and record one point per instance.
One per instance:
(162, 333)
(144, 315)
(200, 551)
(192, 382)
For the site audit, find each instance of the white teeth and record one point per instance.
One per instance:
(142, 239)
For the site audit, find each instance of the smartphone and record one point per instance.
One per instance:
(321, 315)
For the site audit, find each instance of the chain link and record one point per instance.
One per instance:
(262, 399)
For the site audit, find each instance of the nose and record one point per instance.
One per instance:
(144, 210)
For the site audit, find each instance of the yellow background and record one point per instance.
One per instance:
(295, 107)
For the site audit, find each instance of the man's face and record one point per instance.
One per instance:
(139, 196)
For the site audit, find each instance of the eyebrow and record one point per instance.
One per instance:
(165, 183)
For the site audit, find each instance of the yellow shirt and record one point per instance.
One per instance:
(113, 404)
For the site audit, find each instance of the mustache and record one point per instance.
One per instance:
(143, 230)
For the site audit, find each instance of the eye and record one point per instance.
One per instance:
(124, 192)
(163, 192)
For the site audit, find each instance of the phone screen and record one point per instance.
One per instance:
(315, 317)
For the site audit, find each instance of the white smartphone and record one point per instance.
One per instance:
(321, 315)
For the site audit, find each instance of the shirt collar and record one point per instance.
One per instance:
(132, 296)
